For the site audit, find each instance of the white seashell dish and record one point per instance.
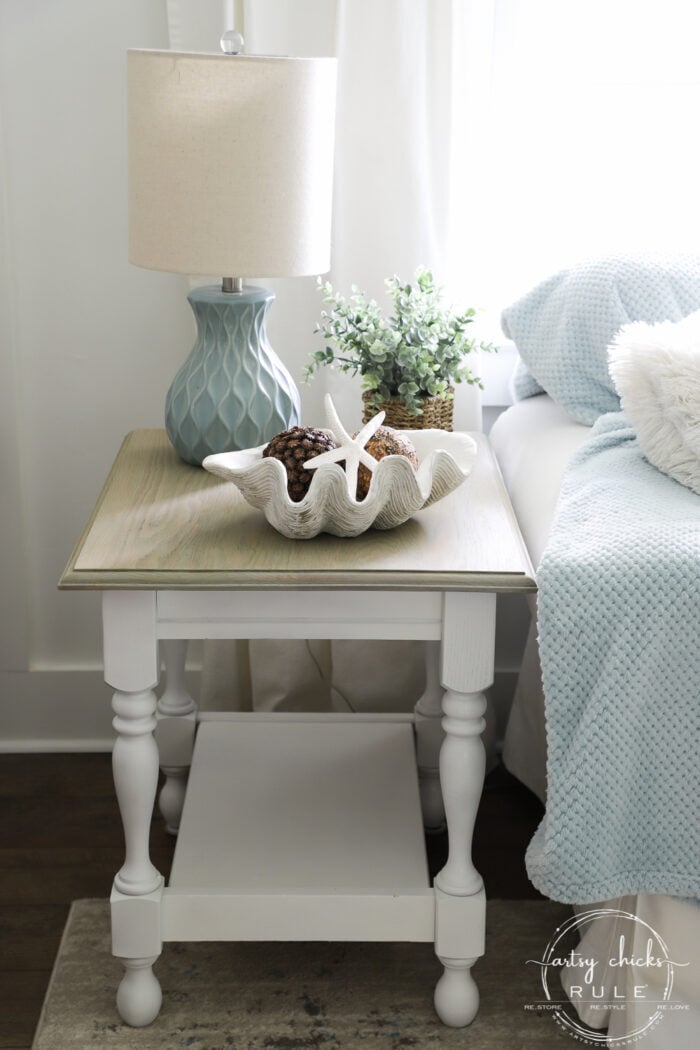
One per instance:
(396, 493)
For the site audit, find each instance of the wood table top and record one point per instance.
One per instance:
(162, 524)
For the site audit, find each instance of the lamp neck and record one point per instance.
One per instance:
(232, 284)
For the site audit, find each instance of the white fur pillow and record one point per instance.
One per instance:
(656, 371)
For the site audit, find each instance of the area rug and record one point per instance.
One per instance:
(309, 996)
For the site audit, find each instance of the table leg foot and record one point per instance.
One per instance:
(139, 996)
(456, 994)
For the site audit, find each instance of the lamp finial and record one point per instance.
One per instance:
(231, 43)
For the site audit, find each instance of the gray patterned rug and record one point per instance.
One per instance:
(277, 996)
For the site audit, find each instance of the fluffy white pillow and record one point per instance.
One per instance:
(656, 372)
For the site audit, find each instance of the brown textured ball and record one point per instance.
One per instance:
(293, 447)
(385, 442)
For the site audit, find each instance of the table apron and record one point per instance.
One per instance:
(300, 614)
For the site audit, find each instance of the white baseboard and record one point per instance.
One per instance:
(69, 710)
(46, 745)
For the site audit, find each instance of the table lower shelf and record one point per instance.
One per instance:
(301, 831)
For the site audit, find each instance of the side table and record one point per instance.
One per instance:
(294, 826)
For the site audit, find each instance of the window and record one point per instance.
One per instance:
(580, 137)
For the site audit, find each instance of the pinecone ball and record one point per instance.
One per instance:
(385, 442)
(293, 447)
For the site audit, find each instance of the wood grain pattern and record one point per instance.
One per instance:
(160, 523)
(60, 839)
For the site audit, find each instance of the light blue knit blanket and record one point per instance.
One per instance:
(619, 631)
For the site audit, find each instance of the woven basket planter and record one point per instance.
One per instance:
(437, 413)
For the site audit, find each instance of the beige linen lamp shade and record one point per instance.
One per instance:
(230, 163)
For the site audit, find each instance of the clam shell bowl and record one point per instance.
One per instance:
(396, 493)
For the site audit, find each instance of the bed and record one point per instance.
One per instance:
(534, 440)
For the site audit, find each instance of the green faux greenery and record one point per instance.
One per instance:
(417, 352)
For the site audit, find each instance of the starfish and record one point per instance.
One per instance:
(351, 449)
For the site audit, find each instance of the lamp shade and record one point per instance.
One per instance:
(230, 163)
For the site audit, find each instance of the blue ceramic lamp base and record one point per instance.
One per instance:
(232, 392)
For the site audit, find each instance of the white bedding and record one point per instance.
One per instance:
(533, 441)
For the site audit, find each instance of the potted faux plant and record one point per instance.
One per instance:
(410, 361)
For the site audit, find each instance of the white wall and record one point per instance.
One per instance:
(87, 341)
(89, 344)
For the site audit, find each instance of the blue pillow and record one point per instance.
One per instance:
(563, 327)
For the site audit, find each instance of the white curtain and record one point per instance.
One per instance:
(393, 184)
(493, 140)
(584, 139)
(401, 102)
(400, 70)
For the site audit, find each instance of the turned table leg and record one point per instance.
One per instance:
(131, 668)
(467, 669)
(175, 731)
(429, 737)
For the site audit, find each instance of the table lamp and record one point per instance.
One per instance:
(230, 173)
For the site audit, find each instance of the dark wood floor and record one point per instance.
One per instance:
(60, 840)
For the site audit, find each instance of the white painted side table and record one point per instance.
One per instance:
(293, 826)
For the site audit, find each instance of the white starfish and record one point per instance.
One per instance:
(351, 449)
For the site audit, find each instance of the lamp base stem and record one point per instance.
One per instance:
(232, 392)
